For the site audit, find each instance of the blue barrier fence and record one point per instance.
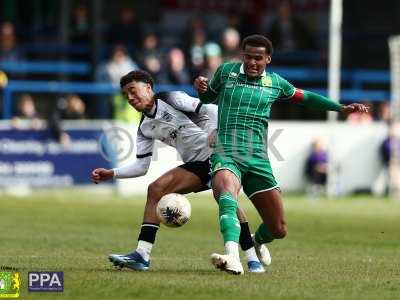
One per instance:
(70, 87)
(45, 67)
(107, 88)
(355, 77)
(54, 49)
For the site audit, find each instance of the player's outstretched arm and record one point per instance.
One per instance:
(315, 101)
(319, 102)
(136, 169)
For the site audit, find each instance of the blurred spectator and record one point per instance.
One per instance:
(231, 45)
(384, 112)
(26, 115)
(119, 64)
(80, 25)
(234, 20)
(380, 187)
(195, 26)
(150, 46)
(213, 59)
(3, 80)
(385, 151)
(196, 37)
(70, 108)
(26, 107)
(150, 56)
(245, 23)
(127, 30)
(176, 72)
(289, 33)
(74, 108)
(8, 42)
(317, 168)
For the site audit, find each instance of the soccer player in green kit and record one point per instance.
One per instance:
(244, 93)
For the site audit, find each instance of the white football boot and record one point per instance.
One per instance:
(262, 252)
(227, 263)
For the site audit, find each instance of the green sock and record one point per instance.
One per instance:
(263, 234)
(228, 221)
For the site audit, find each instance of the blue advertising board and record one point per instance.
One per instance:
(34, 158)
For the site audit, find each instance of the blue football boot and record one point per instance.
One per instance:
(132, 261)
(255, 267)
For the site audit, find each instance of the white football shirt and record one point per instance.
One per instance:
(178, 120)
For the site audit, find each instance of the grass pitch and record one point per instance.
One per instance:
(335, 249)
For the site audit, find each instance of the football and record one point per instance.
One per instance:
(174, 210)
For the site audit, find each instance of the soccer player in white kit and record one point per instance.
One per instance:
(183, 122)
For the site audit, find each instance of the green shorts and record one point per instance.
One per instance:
(254, 174)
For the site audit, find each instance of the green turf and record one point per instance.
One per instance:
(343, 249)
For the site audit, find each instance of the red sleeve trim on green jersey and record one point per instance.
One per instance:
(298, 96)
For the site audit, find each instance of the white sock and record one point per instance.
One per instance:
(232, 248)
(144, 249)
(251, 254)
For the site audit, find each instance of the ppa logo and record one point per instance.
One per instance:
(46, 281)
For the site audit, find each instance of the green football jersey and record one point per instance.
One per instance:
(244, 107)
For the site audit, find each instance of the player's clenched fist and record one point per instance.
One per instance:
(355, 107)
(200, 84)
(101, 174)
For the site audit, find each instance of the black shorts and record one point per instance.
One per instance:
(201, 169)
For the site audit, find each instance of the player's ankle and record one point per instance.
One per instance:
(232, 248)
(251, 254)
(144, 249)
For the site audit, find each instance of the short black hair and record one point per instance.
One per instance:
(137, 75)
(258, 40)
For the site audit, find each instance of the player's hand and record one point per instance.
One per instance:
(200, 84)
(212, 139)
(355, 107)
(101, 174)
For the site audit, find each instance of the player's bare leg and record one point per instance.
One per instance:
(270, 207)
(226, 187)
(177, 180)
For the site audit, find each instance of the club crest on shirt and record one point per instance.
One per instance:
(166, 116)
(266, 81)
(233, 74)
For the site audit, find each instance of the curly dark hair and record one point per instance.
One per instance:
(258, 40)
(137, 75)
